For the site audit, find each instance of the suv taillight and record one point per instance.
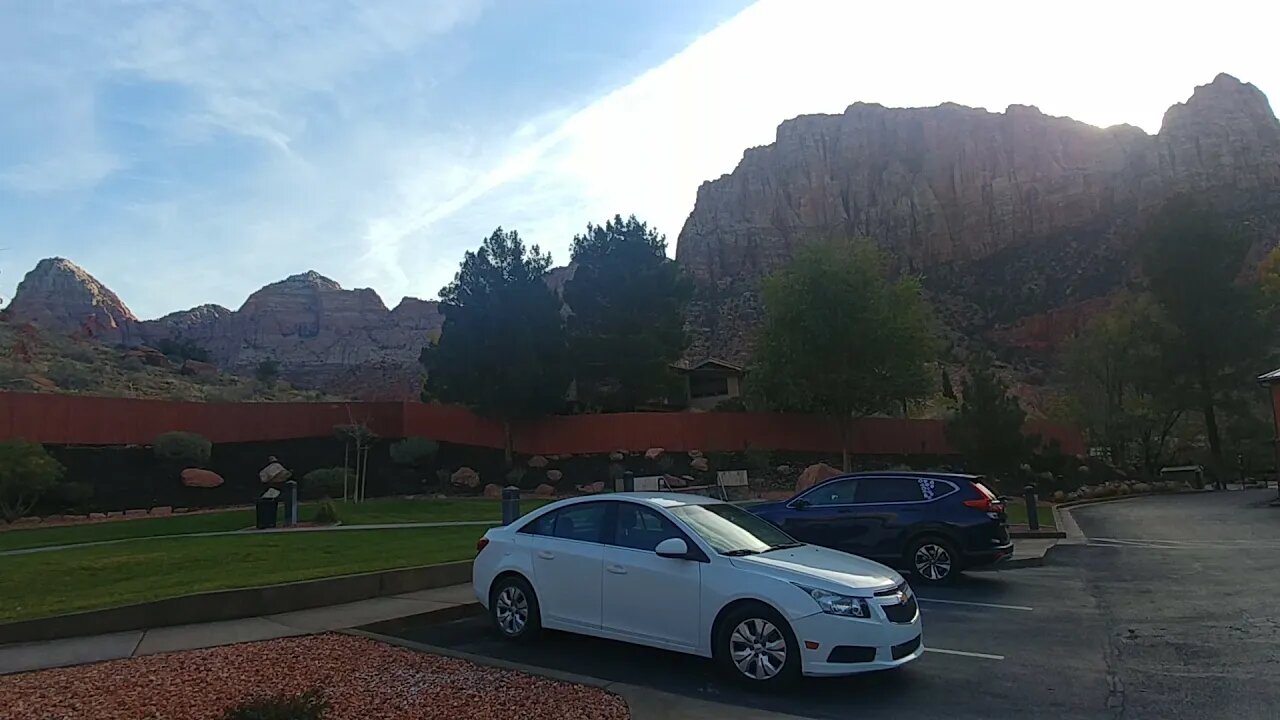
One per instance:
(987, 502)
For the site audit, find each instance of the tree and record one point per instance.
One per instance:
(179, 349)
(267, 372)
(948, 391)
(26, 473)
(627, 300)
(502, 350)
(413, 451)
(987, 428)
(1121, 392)
(841, 339)
(1193, 263)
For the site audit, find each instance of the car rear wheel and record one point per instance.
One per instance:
(933, 560)
(513, 609)
(756, 647)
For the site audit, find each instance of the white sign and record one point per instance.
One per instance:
(732, 478)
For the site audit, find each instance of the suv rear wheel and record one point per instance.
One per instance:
(933, 559)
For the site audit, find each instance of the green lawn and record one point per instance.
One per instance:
(1017, 512)
(43, 584)
(386, 510)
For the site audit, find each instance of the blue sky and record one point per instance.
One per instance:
(190, 151)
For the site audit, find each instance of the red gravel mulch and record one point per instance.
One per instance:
(362, 679)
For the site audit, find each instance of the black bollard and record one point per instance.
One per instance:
(1033, 516)
(510, 504)
(628, 481)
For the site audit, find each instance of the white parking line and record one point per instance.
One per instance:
(997, 606)
(964, 653)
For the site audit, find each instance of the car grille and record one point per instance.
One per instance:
(906, 648)
(902, 612)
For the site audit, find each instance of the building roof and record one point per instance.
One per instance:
(707, 363)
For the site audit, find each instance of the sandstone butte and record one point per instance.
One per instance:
(1021, 224)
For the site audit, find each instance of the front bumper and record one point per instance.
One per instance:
(864, 645)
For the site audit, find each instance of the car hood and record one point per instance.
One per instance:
(763, 508)
(832, 569)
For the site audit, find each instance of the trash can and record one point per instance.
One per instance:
(267, 509)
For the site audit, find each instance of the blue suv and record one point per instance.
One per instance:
(934, 524)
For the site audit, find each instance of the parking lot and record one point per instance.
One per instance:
(1168, 612)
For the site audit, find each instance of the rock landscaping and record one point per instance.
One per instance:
(359, 679)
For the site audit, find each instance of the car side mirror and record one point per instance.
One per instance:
(674, 548)
(800, 504)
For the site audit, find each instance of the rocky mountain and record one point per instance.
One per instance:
(57, 293)
(1020, 223)
(345, 342)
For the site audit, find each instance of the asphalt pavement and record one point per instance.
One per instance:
(1170, 611)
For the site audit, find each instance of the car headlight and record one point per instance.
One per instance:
(837, 604)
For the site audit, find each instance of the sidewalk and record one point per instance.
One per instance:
(21, 657)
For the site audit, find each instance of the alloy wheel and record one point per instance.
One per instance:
(511, 610)
(758, 649)
(932, 561)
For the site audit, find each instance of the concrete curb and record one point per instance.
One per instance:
(238, 603)
(1038, 534)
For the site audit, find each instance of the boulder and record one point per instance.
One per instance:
(653, 453)
(783, 469)
(97, 516)
(674, 482)
(161, 510)
(616, 456)
(200, 478)
(465, 477)
(700, 464)
(492, 491)
(544, 491)
(537, 461)
(135, 513)
(554, 475)
(815, 474)
(198, 369)
(115, 514)
(695, 454)
(592, 488)
(1059, 496)
(1141, 488)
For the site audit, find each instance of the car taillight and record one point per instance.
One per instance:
(987, 502)
(482, 543)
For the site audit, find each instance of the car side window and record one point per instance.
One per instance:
(542, 525)
(641, 528)
(839, 492)
(889, 490)
(581, 522)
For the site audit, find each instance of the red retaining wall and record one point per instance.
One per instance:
(82, 420)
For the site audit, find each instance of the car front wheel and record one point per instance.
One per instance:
(933, 560)
(755, 646)
(513, 609)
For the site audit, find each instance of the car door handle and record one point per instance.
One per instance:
(546, 555)
(616, 569)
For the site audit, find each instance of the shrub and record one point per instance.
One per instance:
(73, 494)
(70, 376)
(326, 483)
(326, 513)
(183, 448)
(413, 451)
(310, 705)
(132, 364)
(179, 349)
(26, 473)
(79, 353)
(267, 372)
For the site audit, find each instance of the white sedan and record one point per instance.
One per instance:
(696, 575)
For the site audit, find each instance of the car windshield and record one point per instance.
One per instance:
(730, 530)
